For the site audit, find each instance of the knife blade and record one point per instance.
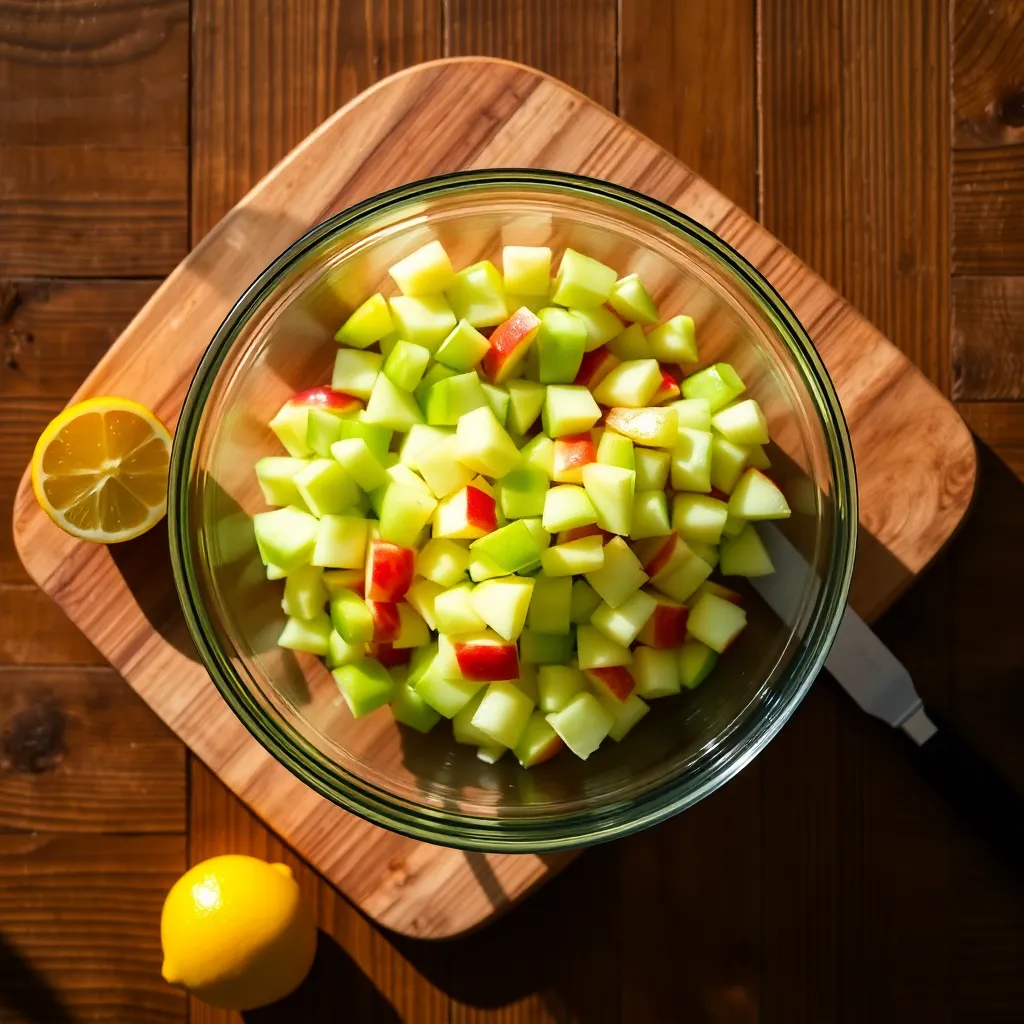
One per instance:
(881, 685)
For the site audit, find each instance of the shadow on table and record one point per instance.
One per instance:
(25, 994)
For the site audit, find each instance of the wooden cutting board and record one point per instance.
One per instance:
(915, 457)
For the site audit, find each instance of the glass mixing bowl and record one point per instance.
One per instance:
(278, 339)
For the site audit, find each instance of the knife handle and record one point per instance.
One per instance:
(980, 792)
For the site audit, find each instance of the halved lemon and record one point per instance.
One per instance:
(99, 470)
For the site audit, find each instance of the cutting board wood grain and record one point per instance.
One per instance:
(915, 457)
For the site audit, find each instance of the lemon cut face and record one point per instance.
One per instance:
(99, 470)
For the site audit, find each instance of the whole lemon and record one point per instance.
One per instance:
(235, 932)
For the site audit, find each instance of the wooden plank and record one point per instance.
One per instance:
(672, 88)
(80, 917)
(265, 74)
(988, 216)
(988, 338)
(357, 966)
(1000, 425)
(51, 335)
(94, 152)
(574, 40)
(81, 752)
(37, 631)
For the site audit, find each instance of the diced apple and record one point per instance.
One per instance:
(406, 364)
(630, 385)
(656, 672)
(742, 423)
(550, 604)
(757, 497)
(600, 323)
(346, 579)
(681, 583)
(574, 558)
(595, 366)
(341, 652)
(540, 452)
(427, 271)
(326, 488)
(367, 324)
(291, 421)
(582, 281)
(355, 457)
(571, 454)
(694, 413)
(503, 604)
(674, 341)
(510, 343)
(308, 635)
(568, 409)
(538, 742)
(422, 595)
(718, 384)
(651, 469)
(443, 561)
(567, 506)
(631, 300)
(304, 592)
(631, 344)
(503, 713)
(691, 461)
(413, 630)
(285, 537)
(377, 438)
(560, 344)
(355, 372)
(483, 445)
(745, 555)
(662, 556)
(387, 621)
(620, 577)
(667, 389)
(546, 648)
(651, 427)
(463, 348)
(511, 548)
(595, 650)
(365, 685)
(699, 517)
(716, 622)
(626, 715)
(410, 709)
(340, 542)
(483, 656)
(453, 397)
(477, 295)
(582, 724)
(523, 492)
(444, 692)
(389, 406)
(610, 490)
(276, 477)
(557, 685)
(352, 617)
(526, 397)
(615, 683)
(423, 320)
(666, 626)
(389, 570)
(727, 463)
(527, 269)
(696, 660)
(585, 602)
(623, 624)
(650, 515)
(614, 449)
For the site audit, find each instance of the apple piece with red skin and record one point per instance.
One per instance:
(711, 587)
(571, 454)
(291, 420)
(466, 515)
(590, 530)
(596, 365)
(662, 556)
(539, 742)
(390, 656)
(387, 621)
(667, 625)
(510, 342)
(616, 683)
(326, 397)
(485, 657)
(667, 389)
(389, 570)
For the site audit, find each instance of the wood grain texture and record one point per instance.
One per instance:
(988, 210)
(80, 752)
(574, 40)
(80, 917)
(37, 632)
(94, 137)
(265, 74)
(988, 338)
(1001, 426)
(405, 886)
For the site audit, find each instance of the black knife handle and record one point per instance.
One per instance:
(979, 791)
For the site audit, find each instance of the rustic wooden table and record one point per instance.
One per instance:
(883, 140)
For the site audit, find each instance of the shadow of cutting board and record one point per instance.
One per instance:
(915, 457)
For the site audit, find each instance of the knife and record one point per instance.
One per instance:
(880, 684)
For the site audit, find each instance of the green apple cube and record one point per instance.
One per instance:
(651, 469)
(405, 477)
(631, 344)
(566, 507)
(631, 300)
(426, 271)
(568, 409)
(582, 281)
(706, 552)
(276, 477)
(351, 617)
(422, 595)
(585, 601)
(366, 685)
(541, 537)
(346, 579)
(503, 713)
(650, 515)
(559, 344)
(405, 364)
(290, 427)
(733, 526)
(326, 488)
(694, 413)
(623, 624)
(441, 470)
(745, 555)
(680, 582)
(341, 542)
(527, 681)
(356, 372)
(304, 592)
(699, 517)
(308, 635)
(675, 342)
(534, 303)
(610, 490)
(323, 428)
(651, 427)
(757, 457)
(389, 406)
(550, 604)
(546, 648)
(443, 561)
(526, 397)
(369, 323)
(691, 461)
(403, 513)
(601, 325)
(631, 385)
(523, 492)
(341, 652)
(451, 398)
(388, 343)
(574, 557)
(656, 672)
(620, 577)
(425, 321)
(421, 439)
(377, 438)
(275, 572)
(582, 724)
(490, 754)
(718, 385)
(481, 569)
(696, 660)
(447, 695)
(355, 457)
(511, 548)
(540, 452)
(756, 496)
(615, 450)
(478, 296)
(527, 269)
(413, 630)
(463, 348)
(463, 728)
(716, 622)
(557, 685)
(538, 743)
(436, 372)
(727, 463)
(595, 650)
(454, 612)
(626, 715)
(497, 399)
(503, 604)
(742, 423)
(483, 445)
(409, 708)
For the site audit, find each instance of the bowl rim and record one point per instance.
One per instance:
(583, 826)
